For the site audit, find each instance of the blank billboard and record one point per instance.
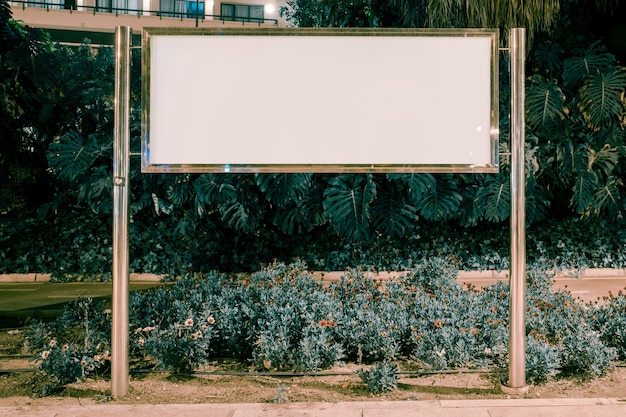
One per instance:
(325, 100)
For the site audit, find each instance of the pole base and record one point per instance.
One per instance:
(515, 391)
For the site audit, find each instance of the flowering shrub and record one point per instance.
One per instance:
(610, 322)
(74, 346)
(281, 318)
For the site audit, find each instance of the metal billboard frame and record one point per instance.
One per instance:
(121, 155)
(399, 80)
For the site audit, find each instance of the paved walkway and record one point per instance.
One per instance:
(589, 407)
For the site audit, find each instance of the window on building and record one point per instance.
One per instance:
(195, 8)
(119, 6)
(46, 4)
(104, 5)
(242, 12)
(172, 8)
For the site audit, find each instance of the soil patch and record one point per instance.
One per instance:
(223, 382)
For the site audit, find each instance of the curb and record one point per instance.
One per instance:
(46, 277)
(333, 276)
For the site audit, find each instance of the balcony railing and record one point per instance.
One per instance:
(196, 14)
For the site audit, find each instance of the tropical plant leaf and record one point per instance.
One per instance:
(186, 225)
(608, 198)
(242, 214)
(495, 197)
(281, 189)
(537, 203)
(161, 205)
(181, 191)
(303, 214)
(347, 203)
(440, 202)
(572, 160)
(583, 191)
(214, 189)
(549, 56)
(418, 184)
(71, 156)
(545, 103)
(98, 190)
(602, 98)
(393, 215)
(470, 210)
(604, 160)
(593, 60)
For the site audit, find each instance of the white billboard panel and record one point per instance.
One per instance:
(327, 100)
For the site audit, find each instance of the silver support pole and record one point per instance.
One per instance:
(517, 359)
(121, 147)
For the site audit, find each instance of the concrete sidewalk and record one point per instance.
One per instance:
(588, 407)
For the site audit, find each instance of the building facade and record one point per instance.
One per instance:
(73, 21)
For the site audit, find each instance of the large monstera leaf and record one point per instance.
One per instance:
(593, 60)
(417, 184)
(602, 98)
(97, 191)
(495, 197)
(608, 197)
(213, 190)
(470, 211)
(394, 215)
(545, 103)
(347, 203)
(302, 214)
(440, 202)
(583, 191)
(72, 155)
(243, 213)
(282, 189)
(537, 203)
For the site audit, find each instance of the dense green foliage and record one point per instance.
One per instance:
(55, 162)
(281, 318)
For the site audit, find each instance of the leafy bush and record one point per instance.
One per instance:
(74, 346)
(381, 377)
(610, 322)
(281, 318)
(542, 360)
